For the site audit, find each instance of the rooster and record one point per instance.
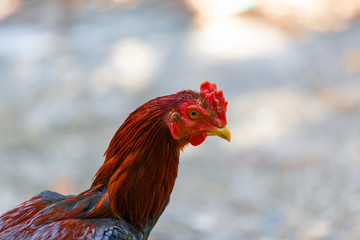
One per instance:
(132, 188)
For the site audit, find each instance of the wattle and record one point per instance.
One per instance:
(197, 140)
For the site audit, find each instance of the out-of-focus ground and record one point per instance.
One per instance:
(71, 71)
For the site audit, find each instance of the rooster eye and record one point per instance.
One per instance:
(193, 114)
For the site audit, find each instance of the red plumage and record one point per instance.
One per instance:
(132, 188)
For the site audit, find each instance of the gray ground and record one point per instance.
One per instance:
(292, 170)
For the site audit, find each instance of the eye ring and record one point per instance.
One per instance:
(193, 114)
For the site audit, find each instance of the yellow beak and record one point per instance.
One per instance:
(224, 133)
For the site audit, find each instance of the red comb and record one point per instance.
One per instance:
(215, 99)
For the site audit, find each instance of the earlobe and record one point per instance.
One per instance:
(174, 130)
(174, 125)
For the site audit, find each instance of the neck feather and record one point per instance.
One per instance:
(141, 164)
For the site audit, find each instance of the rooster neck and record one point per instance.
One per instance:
(141, 166)
(141, 186)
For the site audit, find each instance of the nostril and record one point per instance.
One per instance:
(219, 125)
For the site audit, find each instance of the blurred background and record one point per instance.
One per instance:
(72, 70)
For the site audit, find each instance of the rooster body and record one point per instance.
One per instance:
(132, 187)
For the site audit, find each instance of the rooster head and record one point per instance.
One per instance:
(198, 117)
